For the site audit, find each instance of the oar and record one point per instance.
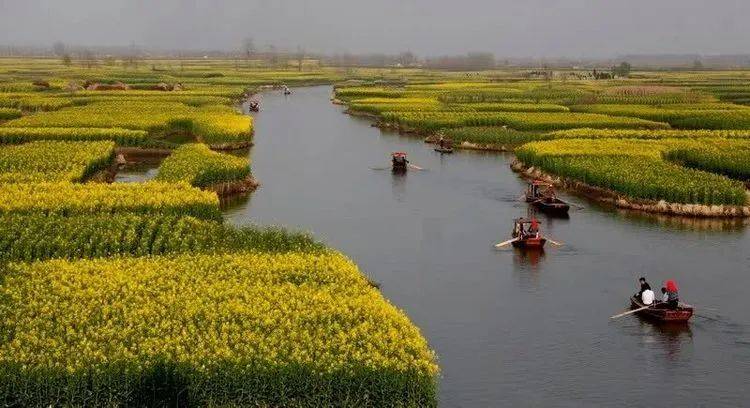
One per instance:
(554, 242)
(415, 167)
(504, 243)
(630, 312)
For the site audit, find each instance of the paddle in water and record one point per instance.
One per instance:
(504, 243)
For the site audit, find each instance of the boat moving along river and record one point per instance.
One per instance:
(541, 195)
(660, 312)
(527, 235)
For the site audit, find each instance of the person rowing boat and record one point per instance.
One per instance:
(646, 295)
(668, 309)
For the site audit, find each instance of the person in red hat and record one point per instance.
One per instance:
(534, 229)
(673, 299)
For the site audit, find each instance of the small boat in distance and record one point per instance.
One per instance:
(287, 91)
(660, 312)
(541, 195)
(527, 235)
(253, 106)
(444, 145)
(399, 161)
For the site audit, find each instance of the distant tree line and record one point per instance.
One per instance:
(475, 61)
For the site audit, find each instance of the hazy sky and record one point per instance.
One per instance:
(513, 28)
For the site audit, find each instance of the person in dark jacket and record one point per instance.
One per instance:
(644, 286)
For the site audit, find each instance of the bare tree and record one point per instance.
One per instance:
(88, 59)
(300, 57)
(273, 55)
(58, 48)
(248, 48)
(407, 59)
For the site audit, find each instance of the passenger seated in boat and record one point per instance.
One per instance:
(647, 297)
(534, 228)
(673, 299)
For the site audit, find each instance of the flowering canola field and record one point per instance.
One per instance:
(239, 329)
(138, 294)
(586, 129)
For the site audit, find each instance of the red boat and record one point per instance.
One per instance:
(660, 313)
(527, 238)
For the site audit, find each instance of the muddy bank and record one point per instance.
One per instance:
(613, 198)
(233, 188)
(433, 139)
(128, 155)
(104, 175)
(231, 146)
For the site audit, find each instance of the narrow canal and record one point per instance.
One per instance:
(509, 329)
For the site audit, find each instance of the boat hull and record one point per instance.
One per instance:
(554, 208)
(443, 150)
(660, 313)
(530, 243)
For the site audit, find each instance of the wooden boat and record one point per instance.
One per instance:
(444, 150)
(551, 205)
(527, 238)
(399, 161)
(660, 313)
(541, 195)
(530, 243)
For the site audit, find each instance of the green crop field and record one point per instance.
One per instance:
(585, 129)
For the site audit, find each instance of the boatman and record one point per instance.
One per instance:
(644, 286)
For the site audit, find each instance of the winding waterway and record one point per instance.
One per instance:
(509, 329)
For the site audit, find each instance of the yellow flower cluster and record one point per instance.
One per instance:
(540, 121)
(305, 317)
(200, 166)
(92, 198)
(53, 161)
(216, 123)
(123, 137)
(637, 169)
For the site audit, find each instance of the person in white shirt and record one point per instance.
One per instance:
(647, 297)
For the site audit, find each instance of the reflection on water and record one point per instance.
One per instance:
(398, 185)
(669, 338)
(227, 204)
(136, 173)
(528, 258)
(686, 223)
(526, 266)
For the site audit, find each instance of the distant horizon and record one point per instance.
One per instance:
(279, 49)
(574, 29)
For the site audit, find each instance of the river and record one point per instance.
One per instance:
(509, 329)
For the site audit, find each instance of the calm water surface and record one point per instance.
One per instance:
(509, 329)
